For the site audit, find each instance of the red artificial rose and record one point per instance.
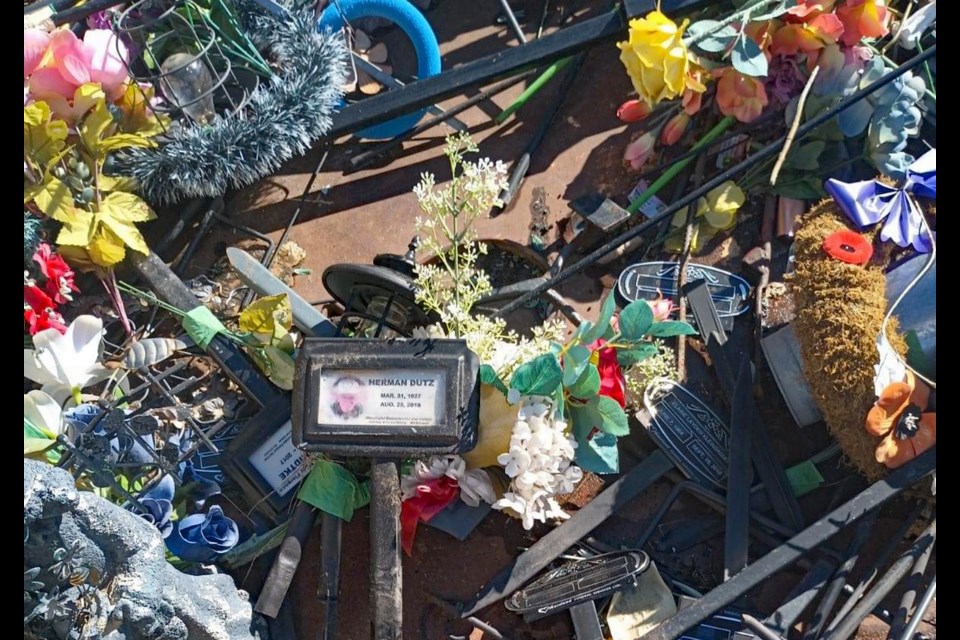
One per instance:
(39, 312)
(612, 383)
(58, 273)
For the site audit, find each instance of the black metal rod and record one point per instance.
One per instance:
(798, 546)
(921, 610)
(365, 158)
(881, 560)
(761, 630)
(733, 172)
(331, 528)
(848, 625)
(835, 588)
(736, 537)
(913, 584)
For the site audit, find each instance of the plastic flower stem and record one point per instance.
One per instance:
(678, 166)
(535, 86)
(926, 70)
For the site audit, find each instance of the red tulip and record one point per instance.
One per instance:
(674, 129)
(633, 111)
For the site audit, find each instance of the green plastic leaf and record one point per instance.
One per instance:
(671, 328)
(575, 361)
(282, 367)
(636, 320)
(598, 454)
(202, 326)
(585, 327)
(804, 478)
(588, 385)
(333, 489)
(630, 357)
(717, 41)
(271, 316)
(488, 376)
(603, 321)
(806, 157)
(748, 59)
(539, 377)
(612, 418)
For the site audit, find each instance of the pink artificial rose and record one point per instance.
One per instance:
(674, 129)
(107, 60)
(35, 43)
(739, 95)
(639, 151)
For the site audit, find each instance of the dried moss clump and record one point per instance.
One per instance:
(840, 312)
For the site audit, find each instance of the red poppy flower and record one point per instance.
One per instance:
(848, 246)
(39, 311)
(612, 383)
(58, 273)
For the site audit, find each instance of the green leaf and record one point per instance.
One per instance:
(601, 413)
(671, 328)
(588, 385)
(748, 59)
(636, 320)
(717, 41)
(488, 376)
(575, 360)
(202, 326)
(603, 321)
(271, 316)
(806, 157)
(282, 367)
(585, 327)
(630, 357)
(598, 454)
(539, 377)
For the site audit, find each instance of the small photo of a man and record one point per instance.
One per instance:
(349, 394)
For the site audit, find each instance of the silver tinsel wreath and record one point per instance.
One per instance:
(282, 119)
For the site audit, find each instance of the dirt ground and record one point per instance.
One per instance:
(352, 217)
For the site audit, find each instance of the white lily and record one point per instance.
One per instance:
(66, 363)
(43, 413)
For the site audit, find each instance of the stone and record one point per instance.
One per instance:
(138, 594)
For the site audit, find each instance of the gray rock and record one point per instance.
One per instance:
(142, 596)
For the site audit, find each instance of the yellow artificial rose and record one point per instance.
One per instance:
(656, 57)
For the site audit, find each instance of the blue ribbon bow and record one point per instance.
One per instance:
(868, 202)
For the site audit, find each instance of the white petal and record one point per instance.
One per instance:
(513, 396)
(37, 366)
(43, 411)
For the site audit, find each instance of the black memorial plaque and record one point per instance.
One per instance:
(650, 280)
(386, 398)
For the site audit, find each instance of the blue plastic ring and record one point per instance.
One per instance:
(418, 30)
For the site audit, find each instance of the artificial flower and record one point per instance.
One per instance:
(203, 538)
(862, 19)
(66, 363)
(662, 308)
(715, 212)
(784, 80)
(633, 111)
(39, 310)
(848, 246)
(655, 57)
(158, 505)
(59, 275)
(640, 150)
(612, 382)
(791, 39)
(42, 422)
(539, 463)
(916, 24)
(674, 129)
(899, 417)
(69, 63)
(740, 95)
(35, 43)
(808, 9)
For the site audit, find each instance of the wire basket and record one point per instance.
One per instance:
(181, 56)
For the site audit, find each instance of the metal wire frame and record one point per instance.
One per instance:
(157, 29)
(81, 455)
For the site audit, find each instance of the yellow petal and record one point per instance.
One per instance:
(720, 219)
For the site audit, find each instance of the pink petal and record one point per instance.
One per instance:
(74, 69)
(35, 43)
(47, 83)
(106, 58)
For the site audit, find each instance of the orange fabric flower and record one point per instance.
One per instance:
(899, 418)
(862, 19)
(740, 96)
(814, 35)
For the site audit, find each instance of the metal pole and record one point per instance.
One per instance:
(921, 610)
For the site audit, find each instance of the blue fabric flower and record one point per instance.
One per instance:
(203, 538)
(158, 502)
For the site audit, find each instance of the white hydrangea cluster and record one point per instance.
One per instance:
(475, 485)
(539, 463)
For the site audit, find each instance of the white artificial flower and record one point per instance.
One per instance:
(475, 485)
(918, 22)
(66, 363)
(43, 412)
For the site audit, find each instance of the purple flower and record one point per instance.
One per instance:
(784, 79)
